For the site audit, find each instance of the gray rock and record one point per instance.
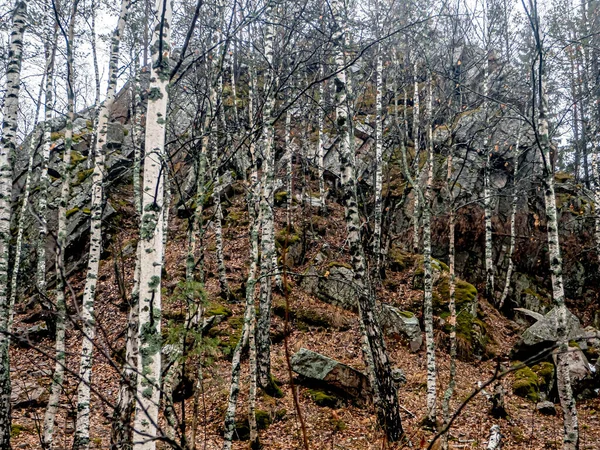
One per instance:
(29, 336)
(338, 288)
(580, 371)
(542, 334)
(327, 373)
(398, 376)
(115, 135)
(546, 408)
(27, 395)
(402, 323)
(532, 314)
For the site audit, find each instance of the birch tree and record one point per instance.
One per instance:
(8, 145)
(146, 426)
(563, 376)
(81, 439)
(378, 364)
(61, 241)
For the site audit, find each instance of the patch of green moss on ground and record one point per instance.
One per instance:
(526, 384)
(16, 429)
(399, 260)
(215, 309)
(76, 158)
(82, 176)
(464, 294)
(322, 398)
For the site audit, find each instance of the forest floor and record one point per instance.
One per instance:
(347, 427)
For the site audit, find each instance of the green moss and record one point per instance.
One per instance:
(464, 294)
(71, 211)
(322, 398)
(55, 136)
(406, 314)
(263, 419)
(125, 132)
(545, 373)
(87, 211)
(235, 217)
(339, 264)
(82, 176)
(273, 388)
(562, 177)
(281, 198)
(76, 158)
(526, 384)
(399, 261)
(215, 309)
(16, 429)
(284, 238)
(574, 344)
(313, 318)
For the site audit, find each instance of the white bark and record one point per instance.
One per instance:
(378, 203)
(81, 439)
(60, 306)
(416, 141)
(427, 268)
(7, 148)
(513, 214)
(321, 142)
(151, 237)
(495, 439)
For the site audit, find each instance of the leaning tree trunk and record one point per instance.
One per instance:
(8, 145)
(263, 340)
(61, 242)
(81, 439)
(146, 427)
(388, 412)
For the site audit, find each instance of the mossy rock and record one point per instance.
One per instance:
(313, 318)
(526, 384)
(471, 335)
(563, 177)
(242, 429)
(438, 268)
(464, 295)
(236, 218)
(56, 135)
(82, 176)
(324, 399)
(399, 260)
(545, 374)
(76, 158)
(273, 389)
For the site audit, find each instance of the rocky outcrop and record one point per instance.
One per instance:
(326, 373)
(336, 286)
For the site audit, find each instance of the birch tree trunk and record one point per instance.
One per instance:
(452, 300)
(263, 342)
(388, 412)
(377, 213)
(427, 269)
(513, 214)
(8, 145)
(321, 142)
(495, 439)
(31, 148)
(61, 240)
(151, 237)
(565, 391)
(416, 141)
(249, 325)
(81, 439)
(44, 181)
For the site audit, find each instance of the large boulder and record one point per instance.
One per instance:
(402, 323)
(580, 371)
(326, 373)
(542, 335)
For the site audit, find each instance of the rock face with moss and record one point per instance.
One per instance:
(326, 373)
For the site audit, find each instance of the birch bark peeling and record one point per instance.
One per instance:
(146, 427)
(8, 145)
